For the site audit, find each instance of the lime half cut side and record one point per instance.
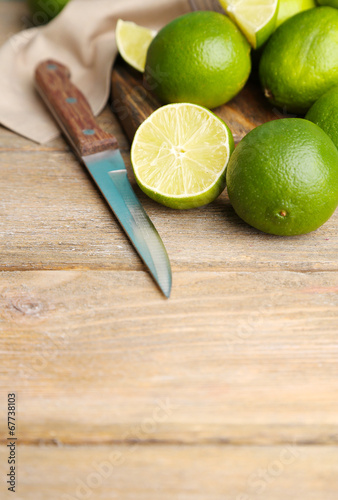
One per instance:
(256, 18)
(180, 154)
(133, 42)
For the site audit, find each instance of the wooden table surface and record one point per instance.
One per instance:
(227, 391)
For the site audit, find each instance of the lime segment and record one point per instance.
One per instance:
(179, 155)
(132, 42)
(256, 18)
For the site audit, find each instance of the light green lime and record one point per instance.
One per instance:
(286, 9)
(256, 18)
(324, 113)
(283, 177)
(180, 154)
(132, 42)
(289, 8)
(300, 62)
(201, 57)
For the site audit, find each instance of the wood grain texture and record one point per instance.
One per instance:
(130, 99)
(237, 357)
(133, 102)
(53, 217)
(71, 109)
(180, 473)
(244, 353)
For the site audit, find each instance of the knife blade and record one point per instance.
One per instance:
(99, 152)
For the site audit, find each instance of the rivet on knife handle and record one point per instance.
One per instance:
(71, 110)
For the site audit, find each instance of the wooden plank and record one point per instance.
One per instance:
(162, 472)
(235, 357)
(52, 217)
(44, 223)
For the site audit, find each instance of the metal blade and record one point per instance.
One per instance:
(109, 172)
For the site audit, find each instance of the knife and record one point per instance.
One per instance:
(99, 152)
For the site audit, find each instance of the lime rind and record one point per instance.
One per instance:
(300, 62)
(180, 154)
(329, 3)
(283, 177)
(133, 42)
(256, 18)
(289, 8)
(324, 114)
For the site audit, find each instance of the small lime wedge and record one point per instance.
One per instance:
(256, 18)
(132, 42)
(180, 154)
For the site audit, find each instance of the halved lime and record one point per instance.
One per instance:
(180, 154)
(132, 42)
(256, 18)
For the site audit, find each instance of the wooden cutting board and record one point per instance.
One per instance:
(133, 103)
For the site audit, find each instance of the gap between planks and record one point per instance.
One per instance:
(176, 269)
(174, 442)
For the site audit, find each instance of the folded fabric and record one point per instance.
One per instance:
(83, 38)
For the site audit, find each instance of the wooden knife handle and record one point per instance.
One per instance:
(71, 109)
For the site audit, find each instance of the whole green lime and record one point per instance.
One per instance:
(200, 57)
(45, 10)
(289, 8)
(283, 177)
(324, 113)
(331, 3)
(300, 61)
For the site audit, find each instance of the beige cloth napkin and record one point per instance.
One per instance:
(83, 38)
